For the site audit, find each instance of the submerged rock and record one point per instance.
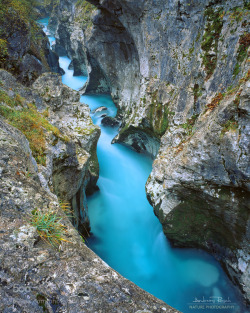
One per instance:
(100, 109)
(110, 121)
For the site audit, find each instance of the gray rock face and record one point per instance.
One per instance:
(27, 48)
(199, 185)
(71, 165)
(199, 182)
(69, 36)
(177, 71)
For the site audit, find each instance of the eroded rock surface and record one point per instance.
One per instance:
(69, 166)
(199, 185)
(24, 46)
(178, 72)
(35, 277)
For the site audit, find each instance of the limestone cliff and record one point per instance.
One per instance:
(47, 162)
(34, 276)
(62, 137)
(178, 72)
(48, 144)
(24, 47)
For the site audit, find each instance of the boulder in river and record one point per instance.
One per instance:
(110, 121)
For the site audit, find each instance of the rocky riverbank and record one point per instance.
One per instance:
(178, 72)
(48, 161)
(47, 164)
(35, 276)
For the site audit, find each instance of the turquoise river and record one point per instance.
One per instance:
(126, 234)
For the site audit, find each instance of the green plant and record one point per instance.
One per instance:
(229, 125)
(188, 126)
(31, 123)
(3, 50)
(49, 226)
(66, 207)
(18, 16)
(215, 102)
(85, 10)
(244, 42)
(197, 92)
(211, 38)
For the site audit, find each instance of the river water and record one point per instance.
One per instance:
(127, 235)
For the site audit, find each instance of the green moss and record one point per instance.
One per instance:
(244, 43)
(158, 115)
(191, 50)
(237, 14)
(86, 9)
(246, 4)
(210, 39)
(188, 126)
(230, 125)
(51, 4)
(84, 131)
(31, 123)
(3, 50)
(197, 92)
(18, 16)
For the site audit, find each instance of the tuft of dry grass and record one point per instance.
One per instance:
(49, 226)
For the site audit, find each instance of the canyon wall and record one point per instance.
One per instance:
(47, 162)
(178, 73)
(45, 139)
(24, 47)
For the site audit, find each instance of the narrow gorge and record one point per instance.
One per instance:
(105, 98)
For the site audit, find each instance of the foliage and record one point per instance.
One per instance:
(211, 38)
(49, 226)
(17, 11)
(159, 115)
(86, 9)
(197, 92)
(30, 122)
(188, 126)
(66, 207)
(12, 102)
(244, 43)
(3, 50)
(17, 19)
(51, 3)
(215, 102)
(237, 14)
(230, 125)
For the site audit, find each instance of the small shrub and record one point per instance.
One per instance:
(242, 52)
(215, 102)
(211, 38)
(3, 50)
(229, 125)
(31, 123)
(188, 126)
(49, 226)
